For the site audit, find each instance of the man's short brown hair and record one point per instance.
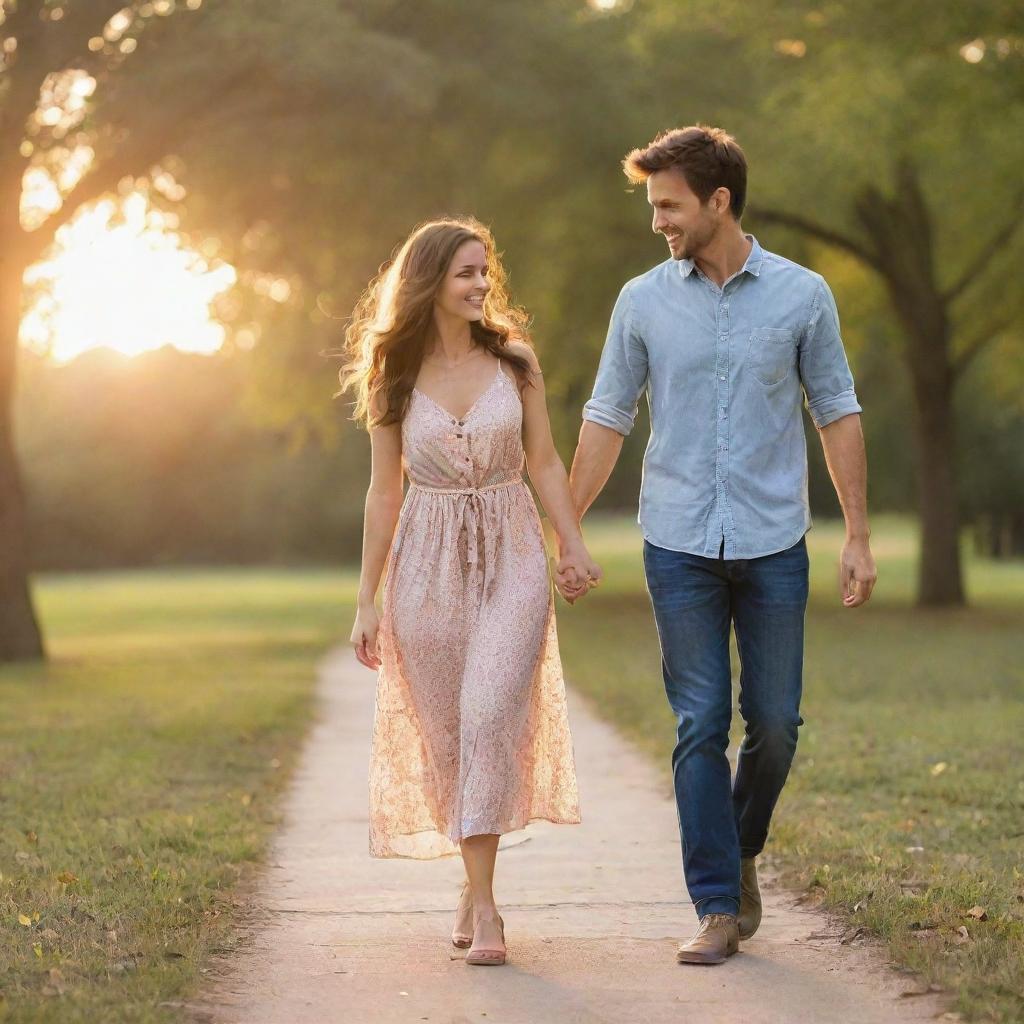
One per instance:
(708, 158)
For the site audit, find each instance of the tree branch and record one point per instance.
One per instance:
(82, 21)
(978, 342)
(818, 231)
(133, 158)
(999, 240)
(92, 186)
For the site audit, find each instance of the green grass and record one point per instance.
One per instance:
(140, 768)
(905, 806)
(139, 773)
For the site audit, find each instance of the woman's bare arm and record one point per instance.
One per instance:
(548, 475)
(383, 504)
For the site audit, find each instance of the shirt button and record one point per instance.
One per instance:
(721, 377)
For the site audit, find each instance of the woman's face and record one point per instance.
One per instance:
(465, 283)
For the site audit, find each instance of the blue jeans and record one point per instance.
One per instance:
(696, 600)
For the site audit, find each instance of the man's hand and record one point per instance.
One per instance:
(576, 573)
(857, 572)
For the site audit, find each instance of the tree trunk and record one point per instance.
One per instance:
(901, 232)
(939, 577)
(900, 250)
(20, 637)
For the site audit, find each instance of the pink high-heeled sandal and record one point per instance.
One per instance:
(460, 940)
(489, 957)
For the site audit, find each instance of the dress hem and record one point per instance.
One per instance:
(455, 852)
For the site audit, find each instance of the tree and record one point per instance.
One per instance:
(125, 85)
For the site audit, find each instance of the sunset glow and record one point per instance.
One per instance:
(126, 282)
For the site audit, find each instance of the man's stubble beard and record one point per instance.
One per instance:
(693, 250)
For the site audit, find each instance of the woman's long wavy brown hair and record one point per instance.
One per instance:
(387, 336)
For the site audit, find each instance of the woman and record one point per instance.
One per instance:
(471, 738)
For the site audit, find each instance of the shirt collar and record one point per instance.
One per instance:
(751, 266)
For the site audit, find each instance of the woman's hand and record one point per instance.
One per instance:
(364, 636)
(576, 573)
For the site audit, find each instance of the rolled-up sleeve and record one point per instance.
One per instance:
(622, 372)
(824, 370)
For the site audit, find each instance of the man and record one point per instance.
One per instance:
(726, 339)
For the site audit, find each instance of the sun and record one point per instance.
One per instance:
(123, 278)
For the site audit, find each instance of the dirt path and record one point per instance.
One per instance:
(593, 914)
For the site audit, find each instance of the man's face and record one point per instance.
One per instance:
(687, 224)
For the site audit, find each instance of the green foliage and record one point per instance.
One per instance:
(335, 128)
(155, 459)
(520, 115)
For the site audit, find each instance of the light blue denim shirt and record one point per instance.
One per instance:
(725, 371)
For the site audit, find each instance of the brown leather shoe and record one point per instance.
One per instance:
(750, 899)
(716, 938)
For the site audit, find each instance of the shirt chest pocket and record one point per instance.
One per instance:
(771, 354)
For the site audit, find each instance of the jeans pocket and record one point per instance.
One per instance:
(771, 354)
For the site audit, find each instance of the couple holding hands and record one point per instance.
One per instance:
(471, 738)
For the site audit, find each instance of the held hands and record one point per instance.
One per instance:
(364, 636)
(576, 573)
(857, 572)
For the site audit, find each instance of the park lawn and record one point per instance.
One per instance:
(140, 770)
(905, 806)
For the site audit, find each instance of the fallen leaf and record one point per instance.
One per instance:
(978, 913)
(939, 767)
(25, 920)
(67, 877)
(861, 904)
(927, 991)
(915, 992)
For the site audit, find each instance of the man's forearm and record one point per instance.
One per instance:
(596, 454)
(843, 444)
